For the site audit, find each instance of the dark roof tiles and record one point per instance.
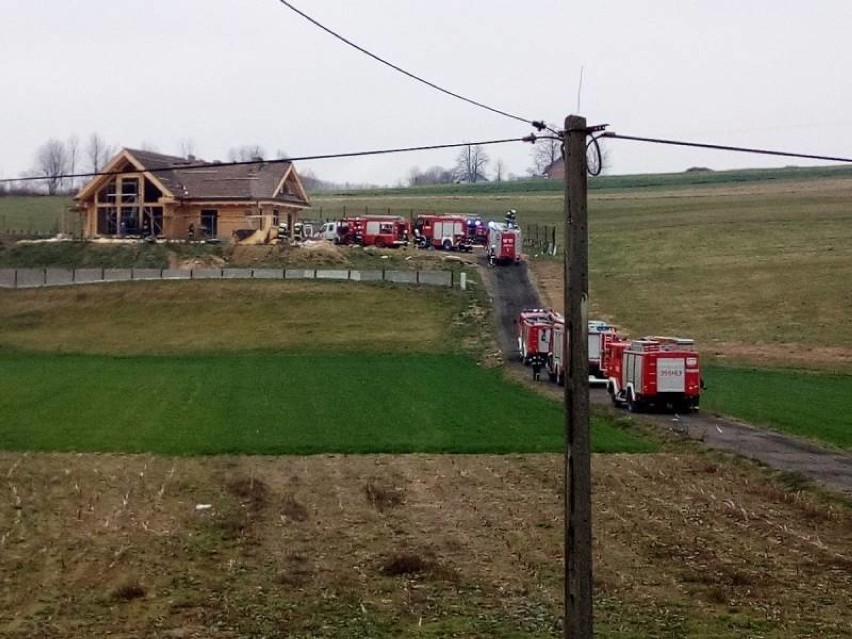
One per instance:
(240, 182)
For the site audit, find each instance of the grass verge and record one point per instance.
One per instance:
(811, 405)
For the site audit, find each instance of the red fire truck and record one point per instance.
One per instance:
(374, 230)
(477, 230)
(600, 335)
(663, 372)
(535, 333)
(447, 232)
(504, 243)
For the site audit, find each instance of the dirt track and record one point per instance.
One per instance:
(511, 290)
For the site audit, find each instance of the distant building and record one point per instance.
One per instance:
(555, 170)
(162, 195)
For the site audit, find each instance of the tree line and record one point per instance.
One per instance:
(55, 159)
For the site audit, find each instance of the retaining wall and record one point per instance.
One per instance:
(41, 277)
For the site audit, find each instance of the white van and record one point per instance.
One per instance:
(328, 231)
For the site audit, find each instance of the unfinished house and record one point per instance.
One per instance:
(158, 195)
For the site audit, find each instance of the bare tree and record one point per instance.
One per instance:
(72, 146)
(52, 164)
(545, 153)
(97, 152)
(606, 157)
(186, 147)
(499, 170)
(471, 163)
(246, 153)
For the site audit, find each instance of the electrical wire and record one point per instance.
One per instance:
(304, 158)
(538, 124)
(721, 147)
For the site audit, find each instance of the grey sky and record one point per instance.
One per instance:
(222, 73)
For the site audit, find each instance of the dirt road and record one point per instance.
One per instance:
(511, 290)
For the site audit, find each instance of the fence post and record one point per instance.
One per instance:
(102, 274)
(452, 278)
(45, 277)
(383, 273)
(131, 274)
(15, 284)
(417, 276)
(73, 275)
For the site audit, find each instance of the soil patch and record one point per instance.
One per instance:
(135, 545)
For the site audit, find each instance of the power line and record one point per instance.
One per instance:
(721, 147)
(304, 158)
(538, 124)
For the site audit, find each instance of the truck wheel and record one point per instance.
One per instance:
(380, 243)
(684, 407)
(632, 403)
(447, 245)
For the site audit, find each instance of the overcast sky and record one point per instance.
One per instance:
(222, 73)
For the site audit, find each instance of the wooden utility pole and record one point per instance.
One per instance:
(578, 472)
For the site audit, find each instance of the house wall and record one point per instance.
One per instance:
(231, 217)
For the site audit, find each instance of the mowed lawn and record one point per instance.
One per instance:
(262, 368)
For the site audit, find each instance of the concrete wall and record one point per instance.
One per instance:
(39, 277)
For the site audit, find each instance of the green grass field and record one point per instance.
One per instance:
(811, 405)
(285, 404)
(263, 367)
(240, 316)
(39, 215)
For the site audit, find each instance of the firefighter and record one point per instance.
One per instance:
(536, 368)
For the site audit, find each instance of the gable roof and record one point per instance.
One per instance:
(276, 181)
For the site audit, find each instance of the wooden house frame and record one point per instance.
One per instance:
(150, 194)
